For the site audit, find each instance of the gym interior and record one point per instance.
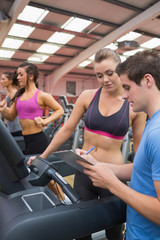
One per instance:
(61, 38)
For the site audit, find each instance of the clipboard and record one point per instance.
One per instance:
(70, 157)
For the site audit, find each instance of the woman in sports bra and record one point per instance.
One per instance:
(107, 119)
(29, 104)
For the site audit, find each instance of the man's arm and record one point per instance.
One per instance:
(108, 176)
(146, 205)
(122, 171)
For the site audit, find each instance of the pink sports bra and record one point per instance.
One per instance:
(29, 109)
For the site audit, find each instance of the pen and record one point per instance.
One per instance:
(89, 150)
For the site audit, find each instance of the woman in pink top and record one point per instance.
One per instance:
(29, 104)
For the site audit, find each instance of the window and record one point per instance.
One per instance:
(71, 88)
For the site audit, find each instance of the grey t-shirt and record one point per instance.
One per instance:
(13, 126)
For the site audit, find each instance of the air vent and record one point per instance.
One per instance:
(128, 45)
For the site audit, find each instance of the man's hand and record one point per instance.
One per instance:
(88, 157)
(3, 105)
(101, 174)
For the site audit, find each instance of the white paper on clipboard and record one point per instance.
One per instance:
(70, 157)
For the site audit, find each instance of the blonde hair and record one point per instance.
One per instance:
(106, 53)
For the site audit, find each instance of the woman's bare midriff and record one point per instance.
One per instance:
(29, 127)
(107, 149)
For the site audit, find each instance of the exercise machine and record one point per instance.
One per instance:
(52, 128)
(30, 210)
(76, 140)
(127, 150)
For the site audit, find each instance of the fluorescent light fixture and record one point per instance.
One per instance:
(61, 38)
(123, 58)
(38, 58)
(132, 52)
(129, 36)
(32, 14)
(84, 63)
(45, 12)
(20, 30)
(153, 43)
(111, 46)
(12, 43)
(92, 57)
(76, 24)
(48, 48)
(68, 22)
(6, 54)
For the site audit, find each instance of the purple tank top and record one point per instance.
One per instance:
(29, 109)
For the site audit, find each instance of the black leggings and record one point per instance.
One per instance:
(17, 134)
(84, 187)
(35, 143)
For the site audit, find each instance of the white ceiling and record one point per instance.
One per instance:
(111, 19)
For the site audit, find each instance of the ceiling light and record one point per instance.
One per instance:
(45, 12)
(111, 46)
(84, 63)
(153, 43)
(32, 14)
(20, 30)
(123, 58)
(129, 36)
(61, 38)
(48, 48)
(6, 54)
(12, 43)
(38, 58)
(132, 52)
(92, 57)
(76, 24)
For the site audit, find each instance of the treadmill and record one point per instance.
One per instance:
(30, 210)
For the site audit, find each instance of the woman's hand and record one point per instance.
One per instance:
(3, 105)
(31, 159)
(39, 121)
